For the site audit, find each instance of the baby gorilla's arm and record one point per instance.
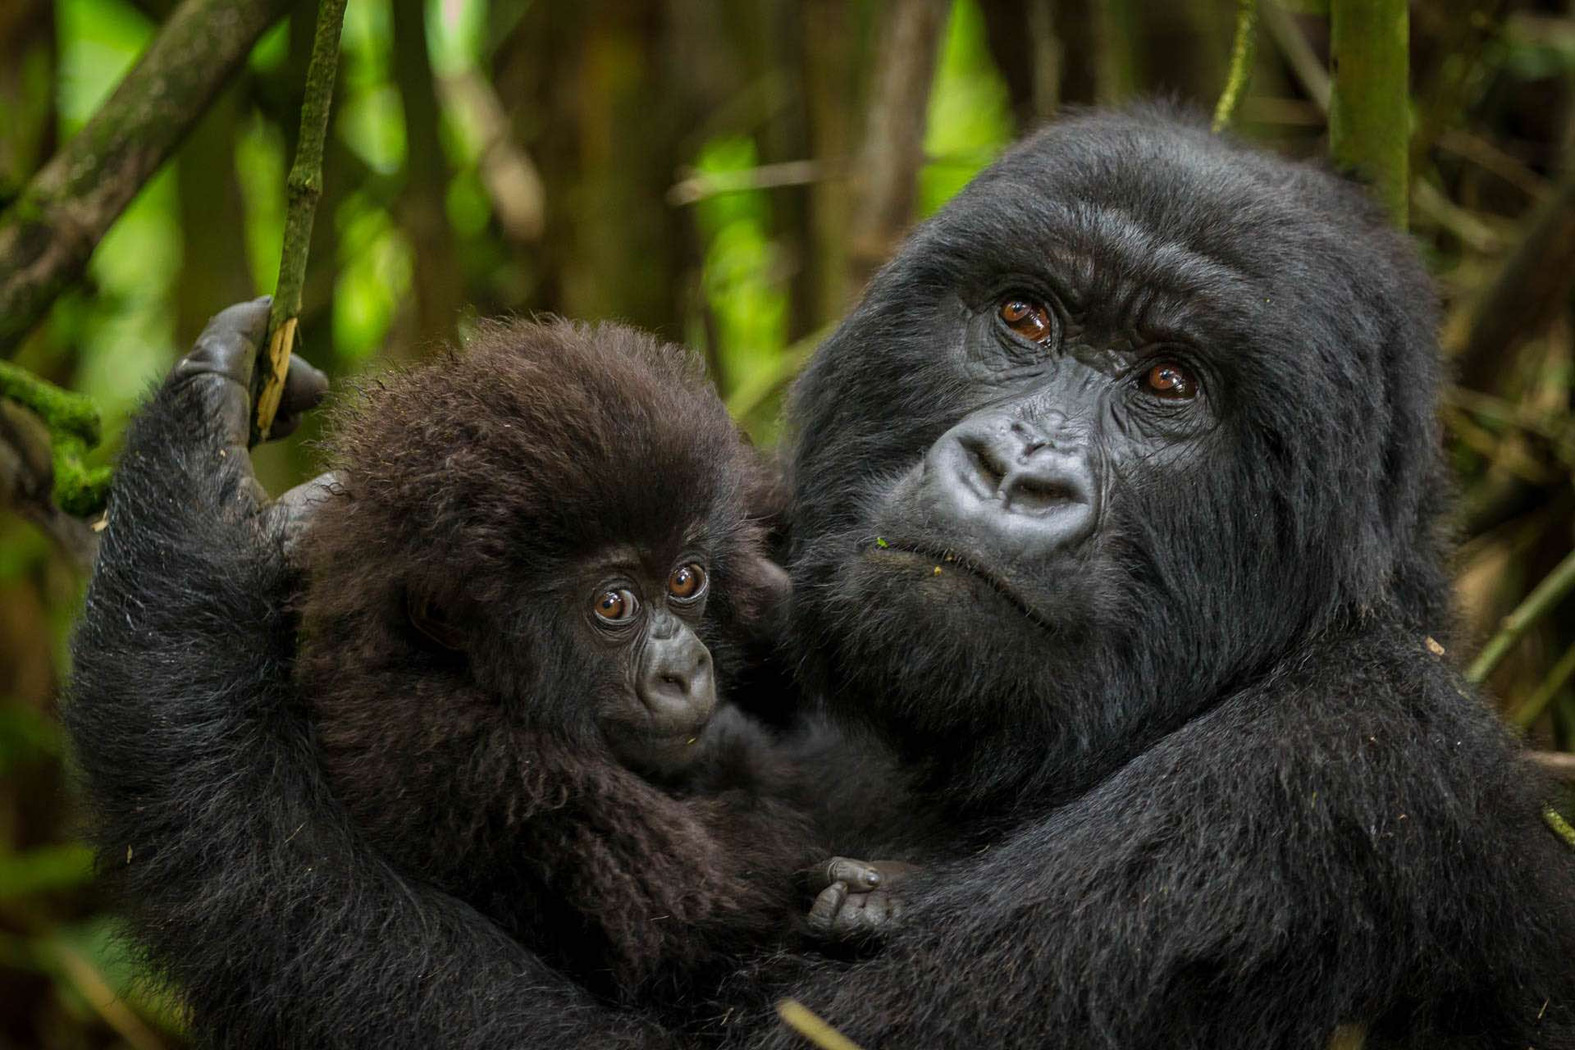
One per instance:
(238, 870)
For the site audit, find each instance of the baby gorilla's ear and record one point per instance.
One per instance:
(761, 589)
(433, 622)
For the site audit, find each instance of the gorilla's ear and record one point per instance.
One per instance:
(433, 622)
(761, 589)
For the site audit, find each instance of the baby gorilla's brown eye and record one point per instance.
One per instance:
(616, 605)
(1171, 382)
(686, 582)
(1027, 318)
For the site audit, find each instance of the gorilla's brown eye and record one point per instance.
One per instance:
(1027, 318)
(616, 605)
(686, 582)
(1171, 382)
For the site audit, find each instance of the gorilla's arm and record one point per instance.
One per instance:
(241, 876)
(1312, 853)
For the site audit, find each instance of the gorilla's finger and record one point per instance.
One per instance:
(292, 512)
(828, 905)
(304, 387)
(891, 871)
(228, 345)
(222, 360)
(859, 875)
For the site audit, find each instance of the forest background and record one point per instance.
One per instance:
(724, 172)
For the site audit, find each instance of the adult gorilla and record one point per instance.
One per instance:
(1117, 521)
(1117, 517)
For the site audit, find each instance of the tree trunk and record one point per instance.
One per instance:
(47, 235)
(438, 278)
(894, 132)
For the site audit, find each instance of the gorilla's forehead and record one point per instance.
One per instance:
(1104, 206)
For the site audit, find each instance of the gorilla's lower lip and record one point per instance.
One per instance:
(946, 557)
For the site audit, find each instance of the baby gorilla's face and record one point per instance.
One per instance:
(639, 613)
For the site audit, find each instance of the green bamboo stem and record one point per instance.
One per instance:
(1369, 109)
(305, 186)
(1538, 603)
(1241, 55)
(1560, 826)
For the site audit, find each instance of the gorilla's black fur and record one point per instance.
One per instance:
(1214, 786)
(1208, 783)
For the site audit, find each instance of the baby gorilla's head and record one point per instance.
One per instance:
(550, 539)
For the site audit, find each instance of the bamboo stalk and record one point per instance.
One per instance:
(1369, 108)
(1538, 603)
(1241, 55)
(305, 186)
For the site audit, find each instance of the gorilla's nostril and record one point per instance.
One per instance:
(1032, 495)
(987, 472)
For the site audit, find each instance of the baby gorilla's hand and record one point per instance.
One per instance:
(856, 899)
(220, 367)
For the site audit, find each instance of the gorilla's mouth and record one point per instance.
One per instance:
(944, 559)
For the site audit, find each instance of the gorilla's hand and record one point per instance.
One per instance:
(219, 369)
(223, 359)
(856, 899)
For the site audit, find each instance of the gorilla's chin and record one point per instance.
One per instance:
(949, 577)
(989, 649)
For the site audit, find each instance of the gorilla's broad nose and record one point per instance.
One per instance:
(676, 682)
(1010, 479)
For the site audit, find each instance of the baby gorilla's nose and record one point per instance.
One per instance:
(677, 685)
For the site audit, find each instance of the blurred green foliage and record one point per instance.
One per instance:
(565, 131)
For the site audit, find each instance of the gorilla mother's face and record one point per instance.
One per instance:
(1139, 408)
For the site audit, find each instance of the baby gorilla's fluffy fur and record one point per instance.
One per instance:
(481, 486)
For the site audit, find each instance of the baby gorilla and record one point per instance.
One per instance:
(541, 558)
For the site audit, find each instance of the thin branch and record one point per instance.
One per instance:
(1559, 763)
(808, 1024)
(89, 983)
(699, 186)
(305, 185)
(48, 233)
(1299, 54)
(1241, 54)
(1561, 827)
(1537, 604)
(1491, 159)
